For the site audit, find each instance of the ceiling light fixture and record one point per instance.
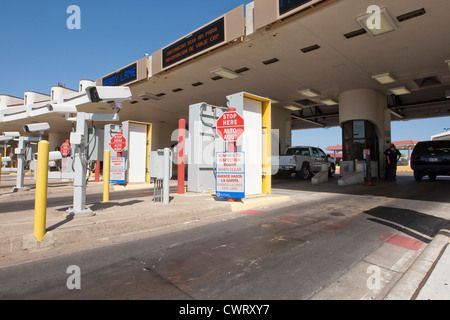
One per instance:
(377, 23)
(400, 91)
(329, 102)
(384, 78)
(225, 73)
(448, 63)
(293, 108)
(309, 93)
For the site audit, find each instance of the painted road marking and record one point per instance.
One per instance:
(401, 241)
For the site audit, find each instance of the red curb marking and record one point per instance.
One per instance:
(401, 241)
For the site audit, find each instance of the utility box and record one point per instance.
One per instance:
(255, 143)
(156, 169)
(203, 146)
(110, 131)
(95, 146)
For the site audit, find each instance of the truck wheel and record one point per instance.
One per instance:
(305, 172)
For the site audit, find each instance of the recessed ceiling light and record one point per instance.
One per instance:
(309, 93)
(225, 73)
(384, 78)
(377, 23)
(329, 102)
(293, 108)
(400, 91)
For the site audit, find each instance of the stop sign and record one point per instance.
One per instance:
(230, 126)
(65, 148)
(118, 142)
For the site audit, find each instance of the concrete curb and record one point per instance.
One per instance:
(410, 284)
(251, 203)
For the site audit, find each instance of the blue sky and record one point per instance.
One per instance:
(38, 51)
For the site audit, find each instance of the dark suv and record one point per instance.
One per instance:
(431, 158)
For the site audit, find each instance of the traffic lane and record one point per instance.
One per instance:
(286, 253)
(404, 188)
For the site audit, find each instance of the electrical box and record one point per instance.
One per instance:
(203, 146)
(95, 146)
(156, 160)
(110, 131)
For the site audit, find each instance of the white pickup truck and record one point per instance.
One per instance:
(304, 161)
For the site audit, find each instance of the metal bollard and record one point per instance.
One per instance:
(166, 177)
(106, 169)
(40, 205)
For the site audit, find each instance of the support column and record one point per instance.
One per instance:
(366, 105)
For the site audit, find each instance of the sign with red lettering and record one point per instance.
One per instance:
(230, 126)
(230, 175)
(118, 142)
(65, 148)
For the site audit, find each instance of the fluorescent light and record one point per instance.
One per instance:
(400, 91)
(329, 102)
(377, 23)
(293, 108)
(384, 78)
(225, 73)
(309, 93)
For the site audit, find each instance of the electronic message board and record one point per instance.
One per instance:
(121, 77)
(201, 40)
(288, 5)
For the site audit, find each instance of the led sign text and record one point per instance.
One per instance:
(121, 77)
(205, 38)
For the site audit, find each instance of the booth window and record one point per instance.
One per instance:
(357, 136)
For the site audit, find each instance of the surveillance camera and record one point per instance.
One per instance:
(5, 138)
(62, 108)
(36, 127)
(14, 134)
(113, 94)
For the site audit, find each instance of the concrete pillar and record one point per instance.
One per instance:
(370, 105)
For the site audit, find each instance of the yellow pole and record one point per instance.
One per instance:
(106, 176)
(40, 205)
(0, 169)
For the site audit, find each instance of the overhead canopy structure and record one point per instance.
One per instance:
(302, 55)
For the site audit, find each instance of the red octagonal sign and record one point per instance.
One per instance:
(230, 126)
(118, 142)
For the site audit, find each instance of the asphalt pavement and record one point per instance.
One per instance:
(133, 214)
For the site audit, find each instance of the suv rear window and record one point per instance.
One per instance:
(297, 152)
(433, 147)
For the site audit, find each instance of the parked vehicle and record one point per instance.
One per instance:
(431, 158)
(303, 161)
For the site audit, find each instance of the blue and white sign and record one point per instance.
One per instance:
(230, 175)
(117, 170)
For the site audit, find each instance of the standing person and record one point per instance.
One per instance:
(392, 156)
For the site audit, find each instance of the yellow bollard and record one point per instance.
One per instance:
(106, 176)
(40, 205)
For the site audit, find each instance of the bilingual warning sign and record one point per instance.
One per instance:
(230, 175)
(230, 126)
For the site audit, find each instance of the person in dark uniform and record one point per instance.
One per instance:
(392, 156)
